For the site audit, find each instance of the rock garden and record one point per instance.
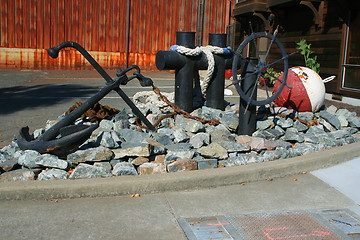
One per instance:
(120, 146)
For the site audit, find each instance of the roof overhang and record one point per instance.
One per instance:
(249, 6)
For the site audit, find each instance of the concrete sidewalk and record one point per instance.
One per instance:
(155, 216)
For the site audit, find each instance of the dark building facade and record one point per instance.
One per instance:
(331, 26)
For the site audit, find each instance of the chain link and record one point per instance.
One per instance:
(182, 112)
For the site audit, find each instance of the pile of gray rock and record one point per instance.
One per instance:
(120, 147)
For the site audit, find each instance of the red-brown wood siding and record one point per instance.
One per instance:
(29, 27)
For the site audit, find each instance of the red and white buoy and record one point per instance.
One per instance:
(307, 93)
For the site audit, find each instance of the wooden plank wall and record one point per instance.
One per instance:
(29, 27)
(327, 48)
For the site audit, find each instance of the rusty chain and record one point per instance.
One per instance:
(182, 112)
(177, 110)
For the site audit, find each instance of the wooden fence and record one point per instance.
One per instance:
(116, 32)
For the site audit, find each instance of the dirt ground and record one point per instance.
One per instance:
(339, 105)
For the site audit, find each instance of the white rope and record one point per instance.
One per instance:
(208, 51)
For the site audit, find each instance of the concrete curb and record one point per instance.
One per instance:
(145, 184)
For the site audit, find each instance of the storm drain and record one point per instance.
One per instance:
(310, 225)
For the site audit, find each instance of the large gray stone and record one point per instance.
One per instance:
(331, 109)
(354, 122)
(180, 136)
(306, 116)
(235, 146)
(207, 163)
(281, 110)
(279, 153)
(230, 120)
(189, 125)
(282, 144)
(84, 170)
(17, 175)
(293, 135)
(331, 118)
(4, 156)
(91, 155)
(348, 140)
(166, 131)
(343, 121)
(199, 140)
(270, 134)
(28, 159)
(171, 154)
(214, 150)
(163, 138)
(156, 147)
(121, 120)
(11, 148)
(264, 124)
(317, 129)
(327, 126)
(106, 165)
(152, 168)
(8, 165)
(305, 148)
(343, 133)
(53, 174)
(179, 147)
(106, 125)
(181, 165)
(256, 143)
(233, 161)
(138, 151)
(345, 113)
(284, 122)
(124, 168)
(130, 135)
(219, 135)
(105, 139)
(300, 126)
(48, 160)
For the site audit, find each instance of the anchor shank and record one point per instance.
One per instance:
(71, 117)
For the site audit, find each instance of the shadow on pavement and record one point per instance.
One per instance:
(18, 98)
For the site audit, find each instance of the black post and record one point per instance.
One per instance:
(215, 90)
(247, 121)
(184, 76)
(187, 93)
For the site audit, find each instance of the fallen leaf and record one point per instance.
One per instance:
(135, 195)
(242, 184)
(221, 166)
(269, 179)
(54, 200)
(71, 170)
(304, 172)
(294, 179)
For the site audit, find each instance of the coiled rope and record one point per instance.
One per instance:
(208, 51)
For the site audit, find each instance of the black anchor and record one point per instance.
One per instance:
(65, 137)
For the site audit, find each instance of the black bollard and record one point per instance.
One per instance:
(185, 68)
(247, 113)
(215, 90)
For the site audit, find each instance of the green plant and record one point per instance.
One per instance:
(310, 61)
(272, 75)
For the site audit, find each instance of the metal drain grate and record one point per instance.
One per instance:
(314, 225)
(281, 226)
